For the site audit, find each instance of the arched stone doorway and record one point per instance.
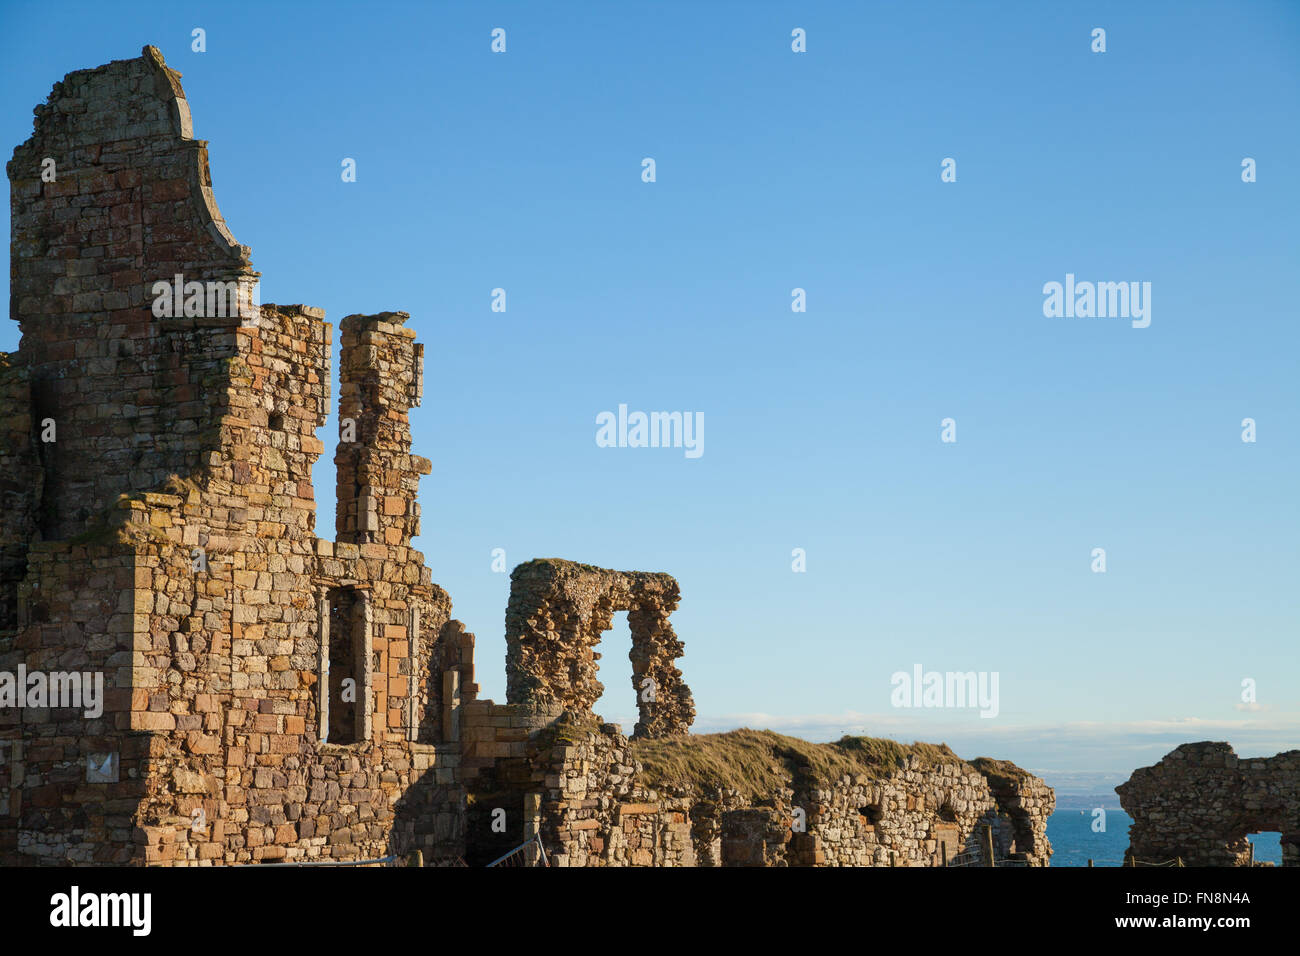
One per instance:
(558, 612)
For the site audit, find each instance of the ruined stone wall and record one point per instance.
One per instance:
(269, 782)
(130, 204)
(270, 696)
(75, 779)
(560, 775)
(21, 479)
(892, 822)
(556, 615)
(1024, 803)
(921, 813)
(594, 814)
(1201, 800)
(596, 805)
(203, 594)
(221, 656)
(377, 475)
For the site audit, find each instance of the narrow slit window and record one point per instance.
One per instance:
(347, 690)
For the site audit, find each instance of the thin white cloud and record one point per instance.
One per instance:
(1084, 746)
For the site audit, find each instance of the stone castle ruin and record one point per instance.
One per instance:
(270, 696)
(1199, 803)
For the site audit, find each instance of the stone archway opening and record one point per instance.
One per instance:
(1260, 838)
(945, 832)
(613, 657)
(1266, 847)
(558, 614)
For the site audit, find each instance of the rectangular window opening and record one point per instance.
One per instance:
(347, 677)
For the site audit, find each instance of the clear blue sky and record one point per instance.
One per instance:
(820, 170)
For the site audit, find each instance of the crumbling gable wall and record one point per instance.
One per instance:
(556, 615)
(1201, 800)
(130, 204)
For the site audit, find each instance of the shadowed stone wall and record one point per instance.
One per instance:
(1201, 800)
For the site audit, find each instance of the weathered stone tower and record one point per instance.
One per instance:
(159, 517)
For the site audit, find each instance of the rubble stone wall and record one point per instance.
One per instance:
(556, 615)
(79, 613)
(176, 506)
(1201, 800)
(596, 805)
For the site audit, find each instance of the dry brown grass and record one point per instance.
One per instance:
(760, 762)
(1000, 772)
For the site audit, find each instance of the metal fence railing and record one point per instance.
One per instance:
(529, 853)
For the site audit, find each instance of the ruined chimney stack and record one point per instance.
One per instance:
(380, 380)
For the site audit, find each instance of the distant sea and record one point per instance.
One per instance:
(1074, 842)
